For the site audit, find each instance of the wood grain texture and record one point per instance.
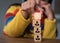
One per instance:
(5, 39)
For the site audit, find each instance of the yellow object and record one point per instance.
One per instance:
(17, 26)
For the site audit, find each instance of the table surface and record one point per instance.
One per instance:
(5, 39)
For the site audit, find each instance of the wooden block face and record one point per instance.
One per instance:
(36, 23)
(37, 15)
(37, 30)
(37, 37)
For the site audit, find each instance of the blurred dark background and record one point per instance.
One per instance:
(4, 4)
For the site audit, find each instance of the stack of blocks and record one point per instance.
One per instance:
(36, 24)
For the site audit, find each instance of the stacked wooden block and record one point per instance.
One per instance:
(36, 24)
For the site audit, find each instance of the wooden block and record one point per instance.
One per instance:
(36, 23)
(37, 15)
(37, 30)
(37, 37)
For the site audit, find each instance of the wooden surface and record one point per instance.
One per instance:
(5, 39)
